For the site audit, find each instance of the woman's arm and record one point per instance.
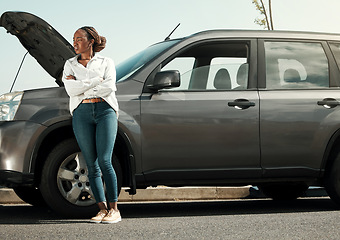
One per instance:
(108, 85)
(76, 87)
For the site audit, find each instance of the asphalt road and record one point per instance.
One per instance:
(306, 218)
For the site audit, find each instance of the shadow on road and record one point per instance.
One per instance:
(231, 207)
(27, 214)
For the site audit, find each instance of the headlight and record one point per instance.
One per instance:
(9, 104)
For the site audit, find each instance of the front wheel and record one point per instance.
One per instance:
(30, 195)
(64, 182)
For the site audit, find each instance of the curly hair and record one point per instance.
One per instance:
(99, 41)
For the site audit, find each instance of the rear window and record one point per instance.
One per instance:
(296, 65)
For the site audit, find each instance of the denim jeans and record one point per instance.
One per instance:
(95, 128)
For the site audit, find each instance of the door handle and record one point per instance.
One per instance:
(241, 104)
(329, 103)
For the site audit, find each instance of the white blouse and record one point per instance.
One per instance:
(96, 80)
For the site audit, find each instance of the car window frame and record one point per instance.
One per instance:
(334, 53)
(252, 61)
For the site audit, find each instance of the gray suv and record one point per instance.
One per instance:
(220, 107)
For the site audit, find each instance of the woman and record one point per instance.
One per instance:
(90, 81)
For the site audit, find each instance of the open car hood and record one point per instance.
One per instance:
(41, 40)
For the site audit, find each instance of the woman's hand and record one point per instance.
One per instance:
(69, 77)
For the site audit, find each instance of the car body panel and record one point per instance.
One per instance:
(44, 106)
(194, 131)
(16, 146)
(295, 130)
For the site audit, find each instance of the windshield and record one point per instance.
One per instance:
(132, 64)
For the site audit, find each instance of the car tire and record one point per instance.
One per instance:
(284, 191)
(64, 182)
(30, 195)
(332, 180)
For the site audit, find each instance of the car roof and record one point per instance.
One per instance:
(276, 34)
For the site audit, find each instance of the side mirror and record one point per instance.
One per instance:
(166, 79)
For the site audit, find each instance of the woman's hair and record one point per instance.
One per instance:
(99, 41)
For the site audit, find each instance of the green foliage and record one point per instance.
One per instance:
(266, 22)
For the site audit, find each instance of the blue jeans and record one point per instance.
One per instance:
(95, 128)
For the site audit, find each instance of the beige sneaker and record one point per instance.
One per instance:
(99, 217)
(112, 217)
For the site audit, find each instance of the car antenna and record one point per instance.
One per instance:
(16, 76)
(168, 37)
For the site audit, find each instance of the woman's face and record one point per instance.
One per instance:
(80, 42)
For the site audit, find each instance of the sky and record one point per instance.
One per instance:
(132, 25)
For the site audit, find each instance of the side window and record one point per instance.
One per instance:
(209, 67)
(296, 65)
(184, 65)
(235, 69)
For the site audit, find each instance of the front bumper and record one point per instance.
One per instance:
(17, 142)
(13, 179)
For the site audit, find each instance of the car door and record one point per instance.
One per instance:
(207, 129)
(298, 114)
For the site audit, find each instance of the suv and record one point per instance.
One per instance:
(222, 107)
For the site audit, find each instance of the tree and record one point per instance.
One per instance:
(267, 21)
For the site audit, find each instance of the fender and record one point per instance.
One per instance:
(130, 159)
(53, 135)
(328, 157)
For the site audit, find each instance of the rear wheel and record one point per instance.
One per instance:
(332, 180)
(284, 191)
(64, 182)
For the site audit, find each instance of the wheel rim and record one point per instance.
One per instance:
(73, 181)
